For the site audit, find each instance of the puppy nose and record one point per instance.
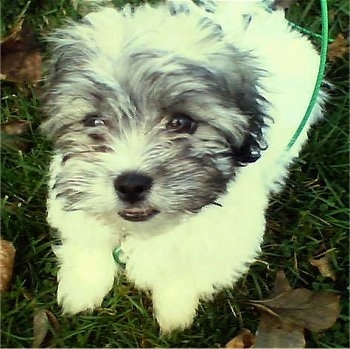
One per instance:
(132, 187)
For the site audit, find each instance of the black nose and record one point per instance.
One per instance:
(132, 187)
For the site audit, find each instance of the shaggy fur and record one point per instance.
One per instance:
(170, 125)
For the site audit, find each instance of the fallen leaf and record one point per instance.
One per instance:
(281, 284)
(274, 333)
(43, 321)
(289, 311)
(283, 4)
(324, 266)
(7, 256)
(244, 339)
(13, 135)
(338, 48)
(315, 311)
(16, 127)
(20, 55)
(40, 328)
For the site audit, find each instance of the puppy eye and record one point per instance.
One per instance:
(93, 120)
(182, 123)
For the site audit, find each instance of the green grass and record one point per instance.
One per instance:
(311, 211)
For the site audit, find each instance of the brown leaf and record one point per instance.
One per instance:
(281, 284)
(283, 4)
(315, 311)
(274, 333)
(338, 48)
(7, 256)
(324, 266)
(43, 321)
(20, 55)
(14, 135)
(40, 328)
(16, 127)
(244, 339)
(288, 312)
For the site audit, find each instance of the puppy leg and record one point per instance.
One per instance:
(175, 307)
(87, 267)
(85, 276)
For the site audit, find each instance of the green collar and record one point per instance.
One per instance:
(117, 253)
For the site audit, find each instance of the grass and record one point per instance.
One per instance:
(311, 213)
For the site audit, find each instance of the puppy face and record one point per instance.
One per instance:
(146, 128)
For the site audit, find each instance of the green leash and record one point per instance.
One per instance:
(320, 75)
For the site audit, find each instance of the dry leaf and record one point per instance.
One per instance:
(43, 321)
(16, 127)
(7, 256)
(244, 339)
(40, 328)
(281, 284)
(20, 55)
(288, 312)
(315, 311)
(274, 333)
(283, 4)
(13, 135)
(324, 266)
(338, 48)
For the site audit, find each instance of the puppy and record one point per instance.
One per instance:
(171, 125)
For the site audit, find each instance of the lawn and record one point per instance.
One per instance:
(307, 219)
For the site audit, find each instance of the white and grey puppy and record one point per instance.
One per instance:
(170, 126)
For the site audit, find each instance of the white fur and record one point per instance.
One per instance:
(199, 254)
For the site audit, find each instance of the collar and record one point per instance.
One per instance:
(119, 257)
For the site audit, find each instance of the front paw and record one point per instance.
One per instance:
(76, 293)
(174, 308)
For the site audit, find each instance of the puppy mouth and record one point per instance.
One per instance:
(138, 214)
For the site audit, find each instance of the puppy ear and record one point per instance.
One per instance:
(64, 78)
(241, 89)
(254, 143)
(253, 105)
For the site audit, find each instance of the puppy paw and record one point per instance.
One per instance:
(174, 309)
(75, 296)
(83, 282)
